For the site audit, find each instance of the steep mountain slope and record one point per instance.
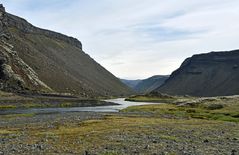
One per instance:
(212, 74)
(57, 62)
(130, 83)
(147, 85)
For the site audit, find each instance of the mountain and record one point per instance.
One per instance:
(211, 74)
(146, 85)
(130, 83)
(35, 59)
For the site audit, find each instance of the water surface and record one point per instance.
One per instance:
(113, 108)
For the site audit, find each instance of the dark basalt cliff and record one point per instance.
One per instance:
(34, 59)
(212, 74)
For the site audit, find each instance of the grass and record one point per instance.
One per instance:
(5, 132)
(6, 94)
(3, 107)
(149, 99)
(28, 105)
(47, 105)
(116, 133)
(217, 108)
(227, 113)
(23, 105)
(151, 129)
(156, 98)
(153, 100)
(18, 115)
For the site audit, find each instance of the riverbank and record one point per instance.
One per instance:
(22, 101)
(146, 129)
(157, 98)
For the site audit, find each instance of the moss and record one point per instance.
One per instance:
(169, 137)
(110, 153)
(101, 134)
(5, 132)
(227, 113)
(116, 134)
(214, 106)
(66, 104)
(2, 107)
(149, 99)
(18, 115)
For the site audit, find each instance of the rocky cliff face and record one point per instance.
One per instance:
(15, 74)
(212, 74)
(34, 59)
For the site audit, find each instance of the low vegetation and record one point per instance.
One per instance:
(218, 108)
(156, 98)
(132, 134)
(186, 126)
(8, 102)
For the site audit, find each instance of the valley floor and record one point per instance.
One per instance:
(26, 101)
(191, 126)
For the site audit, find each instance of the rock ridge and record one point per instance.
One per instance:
(26, 27)
(210, 74)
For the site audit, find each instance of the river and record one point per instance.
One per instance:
(114, 108)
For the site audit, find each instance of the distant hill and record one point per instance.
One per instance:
(211, 74)
(130, 83)
(34, 59)
(146, 85)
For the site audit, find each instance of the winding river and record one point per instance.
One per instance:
(114, 108)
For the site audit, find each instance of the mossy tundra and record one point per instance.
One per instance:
(186, 126)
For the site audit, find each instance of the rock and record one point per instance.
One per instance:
(40, 147)
(86, 153)
(235, 66)
(146, 147)
(206, 141)
(210, 71)
(49, 62)
(2, 8)
(233, 152)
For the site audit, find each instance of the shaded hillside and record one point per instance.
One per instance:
(147, 85)
(43, 60)
(130, 83)
(211, 74)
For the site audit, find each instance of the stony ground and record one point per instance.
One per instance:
(154, 129)
(99, 133)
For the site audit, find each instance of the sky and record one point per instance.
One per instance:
(135, 39)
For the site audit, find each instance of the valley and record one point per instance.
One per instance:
(56, 99)
(186, 126)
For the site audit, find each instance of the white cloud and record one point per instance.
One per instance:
(138, 38)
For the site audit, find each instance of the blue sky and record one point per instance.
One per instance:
(138, 38)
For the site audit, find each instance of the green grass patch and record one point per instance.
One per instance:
(3, 107)
(228, 113)
(5, 132)
(149, 99)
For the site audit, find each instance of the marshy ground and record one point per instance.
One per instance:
(183, 126)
